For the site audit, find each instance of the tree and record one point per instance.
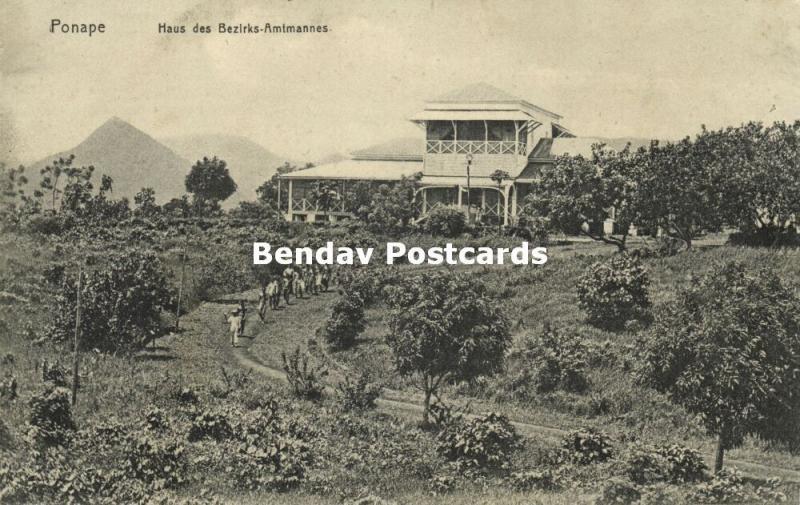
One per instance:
(675, 189)
(324, 196)
(758, 171)
(13, 200)
(210, 182)
(145, 201)
(78, 183)
(728, 349)
(388, 207)
(268, 191)
(576, 194)
(498, 176)
(445, 326)
(121, 304)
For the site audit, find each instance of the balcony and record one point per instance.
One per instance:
(475, 147)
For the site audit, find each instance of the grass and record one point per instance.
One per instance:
(120, 387)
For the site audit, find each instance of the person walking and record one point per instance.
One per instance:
(234, 319)
(263, 300)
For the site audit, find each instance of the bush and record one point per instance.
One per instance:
(618, 492)
(446, 222)
(614, 291)
(51, 416)
(532, 479)
(359, 394)
(587, 446)
(483, 442)
(156, 419)
(206, 424)
(683, 464)
(161, 464)
(120, 304)
(346, 321)
(305, 381)
(548, 362)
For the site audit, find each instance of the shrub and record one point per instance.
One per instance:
(441, 484)
(483, 442)
(161, 464)
(548, 362)
(185, 395)
(614, 291)
(587, 446)
(207, 424)
(683, 464)
(618, 492)
(359, 394)
(532, 479)
(51, 416)
(54, 374)
(305, 380)
(120, 304)
(346, 321)
(156, 419)
(446, 222)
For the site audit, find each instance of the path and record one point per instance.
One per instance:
(247, 360)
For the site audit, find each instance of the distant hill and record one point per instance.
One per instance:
(131, 157)
(249, 163)
(332, 158)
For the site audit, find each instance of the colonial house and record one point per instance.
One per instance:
(481, 150)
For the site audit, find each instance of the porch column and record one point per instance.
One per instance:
(289, 215)
(505, 206)
(514, 202)
(459, 195)
(424, 202)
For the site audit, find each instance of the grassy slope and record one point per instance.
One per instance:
(121, 387)
(532, 296)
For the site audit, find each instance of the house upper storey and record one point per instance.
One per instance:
(497, 129)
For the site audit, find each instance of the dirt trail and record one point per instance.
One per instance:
(247, 360)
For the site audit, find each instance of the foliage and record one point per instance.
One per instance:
(675, 188)
(533, 479)
(208, 424)
(587, 445)
(614, 291)
(727, 349)
(445, 326)
(575, 194)
(758, 170)
(306, 381)
(156, 419)
(617, 491)
(387, 208)
(667, 463)
(482, 442)
(121, 304)
(145, 201)
(154, 461)
(346, 321)
(729, 486)
(51, 416)
(359, 394)
(324, 195)
(209, 180)
(222, 272)
(267, 193)
(550, 361)
(447, 221)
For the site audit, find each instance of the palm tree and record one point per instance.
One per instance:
(324, 195)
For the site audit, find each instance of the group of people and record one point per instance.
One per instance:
(298, 281)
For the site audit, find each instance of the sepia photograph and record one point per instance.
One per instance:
(384, 252)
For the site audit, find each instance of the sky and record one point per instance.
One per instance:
(611, 68)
